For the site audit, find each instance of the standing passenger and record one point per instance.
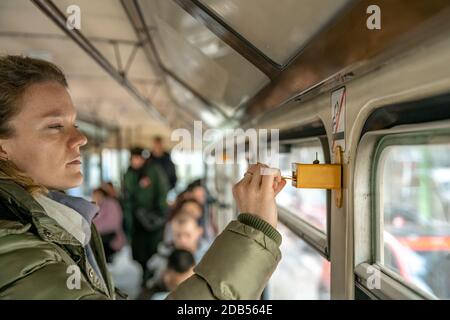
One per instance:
(145, 188)
(163, 158)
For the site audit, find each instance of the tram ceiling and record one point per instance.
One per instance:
(97, 26)
(53, 12)
(206, 16)
(348, 49)
(327, 48)
(98, 97)
(144, 34)
(205, 60)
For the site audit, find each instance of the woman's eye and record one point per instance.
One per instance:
(56, 126)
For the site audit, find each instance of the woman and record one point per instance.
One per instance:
(49, 248)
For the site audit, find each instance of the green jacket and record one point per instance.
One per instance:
(153, 197)
(36, 253)
(145, 229)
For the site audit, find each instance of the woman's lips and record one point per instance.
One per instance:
(74, 162)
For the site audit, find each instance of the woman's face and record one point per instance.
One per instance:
(46, 142)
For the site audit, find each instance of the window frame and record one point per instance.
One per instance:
(366, 216)
(399, 139)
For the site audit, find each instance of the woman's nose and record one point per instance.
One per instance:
(78, 140)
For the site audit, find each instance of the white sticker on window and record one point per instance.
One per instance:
(338, 113)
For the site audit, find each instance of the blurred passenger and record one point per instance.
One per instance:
(161, 157)
(187, 235)
(108, 187)
(179, 266)
(182, 207)
(189, 216)
(145, 191)
(109, 222)
(113, 193)
(189, 207)
(196, 190)
(180, 197)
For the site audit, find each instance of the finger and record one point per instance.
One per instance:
(249, 174)
(280, 186)
(253, 167)
(256, 178)
(269, 176)
(277, 180)
(247, 178)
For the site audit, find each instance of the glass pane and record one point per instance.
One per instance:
(199, 57)
(308, 204)
(189, 167)
(414, 199)
(283, 26)
(301, 274)
(191, 104)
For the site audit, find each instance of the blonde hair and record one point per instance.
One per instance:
(17, 73)
(9, 171)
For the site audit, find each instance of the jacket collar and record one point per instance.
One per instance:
(67, 217)
(28, 210)
(86, 209)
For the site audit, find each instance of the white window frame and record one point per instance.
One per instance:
(392, 286)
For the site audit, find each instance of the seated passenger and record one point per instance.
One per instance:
(187, 235)
(109, 222)
(108, 187)
(182, 208)
(180, 265)
(196, 190)
(44, 234)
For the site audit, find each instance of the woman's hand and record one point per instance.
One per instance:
(255, 193)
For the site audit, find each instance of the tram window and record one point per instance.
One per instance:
(308, 204)
(302, 274)
(413, 204)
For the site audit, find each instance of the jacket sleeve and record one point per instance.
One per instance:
(161, 188)
(128, 191)
(172, 173)
(237, 266)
